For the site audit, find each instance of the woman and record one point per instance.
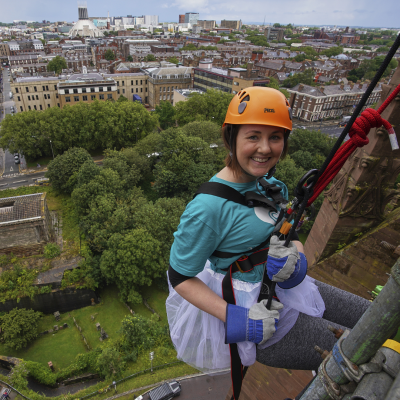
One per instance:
(215, 231)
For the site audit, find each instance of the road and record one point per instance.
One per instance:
(210, 387)
(10, 167)
(12, 182)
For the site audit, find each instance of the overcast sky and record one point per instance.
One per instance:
(371, 13)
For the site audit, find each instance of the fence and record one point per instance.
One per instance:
(129, 377)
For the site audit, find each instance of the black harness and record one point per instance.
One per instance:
(245, 263)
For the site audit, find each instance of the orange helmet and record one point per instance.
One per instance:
(260, 106)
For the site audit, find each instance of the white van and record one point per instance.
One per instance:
(10, 95)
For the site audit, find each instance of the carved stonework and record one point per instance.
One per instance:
(363, 192)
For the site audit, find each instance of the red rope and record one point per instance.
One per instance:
(368, 119)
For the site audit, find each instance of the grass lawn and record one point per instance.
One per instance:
(109, 313)
(61, 348)
(303, 237)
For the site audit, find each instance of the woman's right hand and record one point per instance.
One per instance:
(256, 324)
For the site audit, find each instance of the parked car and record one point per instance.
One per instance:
(166, 391)
(16, 158)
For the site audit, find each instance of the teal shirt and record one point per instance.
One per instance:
(212, 223)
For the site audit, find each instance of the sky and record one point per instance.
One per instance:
(367, 13)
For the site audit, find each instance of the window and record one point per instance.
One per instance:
(160, 97)
(123, 83)
(68, 99)
(29, 107)
(56, 95)
(75, 91)
(132, 90)
(58, 104)
(48, 105)
(43, 88)
(141, 82)
(117, 83)
(37, 97)
(236, 83)
(131, 83)
(76, 98)
(146, 81)
(101, 96)
(16, 90)
(137, 90)
(136, 82)
(146, 90)
(55, 87)
(141, 90)
(35, 88)
(21, 108)
(108, 88)
(19, 98)
(100, 88)
(47, 88)
(109, 96)
(84, 98)
(41, 108)
(118, 91)
(27, 90)
(92, 90)
(35, 107)
(29, 98)
(66, 91)
(123, 91)
(93, 97)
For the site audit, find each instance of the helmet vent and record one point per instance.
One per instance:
(242, 94)
(247, 98)
(242, 107)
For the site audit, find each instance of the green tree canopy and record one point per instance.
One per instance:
(166, 114)
(109, 363)
(173, 60)
(149, 57)
(19, 327)
(64, 166)
(57, 64)
(307, 77)
(109, 55)
(129, 58)
(211, 106)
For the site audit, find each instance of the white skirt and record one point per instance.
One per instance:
(199, 338)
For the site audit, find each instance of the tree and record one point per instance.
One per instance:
(19, 327)
(64, 166)
(166, 114)
(132, 260)
(57, 64)
(109, 363)
(288, 172)
(173, 60)
(109, 55)
(208, 131)
(186, 162)
(149, 57)
(129, 58)
(211, 106)
(307, 77)
(122, 98)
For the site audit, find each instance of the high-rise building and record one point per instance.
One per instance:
(191, 18)
(231, 24)
(181, 18)
(210, 24)
(151, 20)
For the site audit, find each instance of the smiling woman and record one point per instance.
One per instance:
(229, 248)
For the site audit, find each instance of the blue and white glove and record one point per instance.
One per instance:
(285, 265)
(256, 324)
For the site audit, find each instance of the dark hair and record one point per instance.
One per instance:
(229, 135)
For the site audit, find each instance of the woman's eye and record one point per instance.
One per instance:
(253, 137)
(276, 137)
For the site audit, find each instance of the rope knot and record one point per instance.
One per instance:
(368, 119)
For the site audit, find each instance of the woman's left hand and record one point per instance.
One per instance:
(281, 260)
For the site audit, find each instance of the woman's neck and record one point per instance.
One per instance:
(227, 175)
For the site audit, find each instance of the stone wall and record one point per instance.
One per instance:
(58, 300)
(25, 251)
(363, 264)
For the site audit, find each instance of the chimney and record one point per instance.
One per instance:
(342, 86)
(351, 84)
(301, 87)
(322, 89)
(249, 69)
(360, 85)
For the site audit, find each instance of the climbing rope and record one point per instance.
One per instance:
(368, 119)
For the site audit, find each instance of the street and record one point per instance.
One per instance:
(12, 182)
(10, 168)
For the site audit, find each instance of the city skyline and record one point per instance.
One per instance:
(310, 12)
